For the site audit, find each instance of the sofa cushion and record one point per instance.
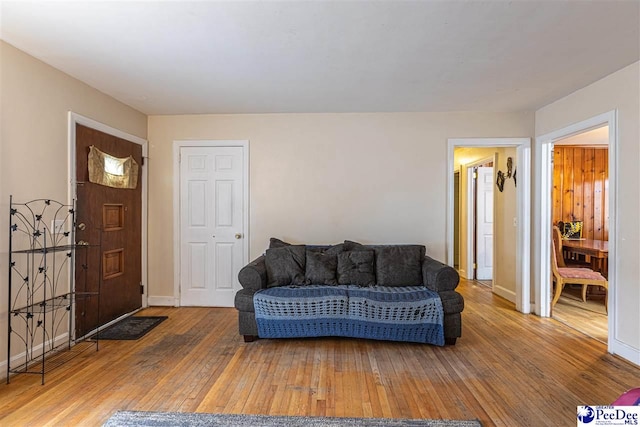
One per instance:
(329, 250)
(285, 265)
(277, 243)
(321, 268)
(399, 265)
(356, 268)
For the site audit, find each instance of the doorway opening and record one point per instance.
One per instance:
(580, 217)
(544, 176)
(512, 216)
(138, 253)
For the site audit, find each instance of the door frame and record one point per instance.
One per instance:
(77, 119)
(544, 184)
(523, 213)
(177, 145)
(471, 217)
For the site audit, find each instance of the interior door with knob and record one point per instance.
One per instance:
(212, 238)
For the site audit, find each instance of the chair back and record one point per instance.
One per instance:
(557, 243)
(554, 260)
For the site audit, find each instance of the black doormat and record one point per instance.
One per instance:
(131, 328)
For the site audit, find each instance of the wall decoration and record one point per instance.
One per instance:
(500, 181)
(509, 166)
(111, 171)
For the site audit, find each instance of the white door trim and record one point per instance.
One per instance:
(523, 214)
(177, 145)
(73, 119)
(544, 182)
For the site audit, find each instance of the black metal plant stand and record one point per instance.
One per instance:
(41, 289)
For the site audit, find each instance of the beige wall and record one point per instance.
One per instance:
(323, 178)
(34, 101)
(619, 91)
(505, 232)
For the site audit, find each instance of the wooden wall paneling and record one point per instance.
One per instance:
(588, 201)
(567, 190)
(580, 189)
(598, 208)
(577, 210)
(558, 174)
(605, 195)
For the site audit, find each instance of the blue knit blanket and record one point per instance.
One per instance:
(411, 313)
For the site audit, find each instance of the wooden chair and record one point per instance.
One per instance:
(561, 255)
(572, 275)
(557, 244)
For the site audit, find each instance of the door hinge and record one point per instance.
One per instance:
(475, 174)
(475, 265)
(141, 289)
(142, 162)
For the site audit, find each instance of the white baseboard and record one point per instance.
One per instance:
(625, 351)
(37, 350)
(505, 293)
(162, 301)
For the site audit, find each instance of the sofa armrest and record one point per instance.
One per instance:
(254, 274)
(438, 276)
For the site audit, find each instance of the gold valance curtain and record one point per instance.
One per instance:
(111, 171)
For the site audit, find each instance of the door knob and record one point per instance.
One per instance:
(82, 226)
(238, 235)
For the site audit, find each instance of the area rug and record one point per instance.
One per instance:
(179, 419)
(131, 328)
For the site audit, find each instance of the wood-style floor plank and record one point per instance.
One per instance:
(588, 317)
(508, 369)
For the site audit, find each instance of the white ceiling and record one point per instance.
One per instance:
(329, 56)
(594, 137)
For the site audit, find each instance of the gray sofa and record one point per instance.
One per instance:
(350, 269)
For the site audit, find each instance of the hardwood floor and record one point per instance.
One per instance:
(588, 317)
(508, 369)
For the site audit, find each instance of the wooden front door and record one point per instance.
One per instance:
(110, 221)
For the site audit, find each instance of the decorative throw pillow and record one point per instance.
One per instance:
(335, 249)
(356, 268)
(321, 268)
(354, 246)
(285, 265)
(329, 250)
(277, 243)
(399, 265)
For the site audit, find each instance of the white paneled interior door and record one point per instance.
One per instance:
(484, 224)
(212, 238)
